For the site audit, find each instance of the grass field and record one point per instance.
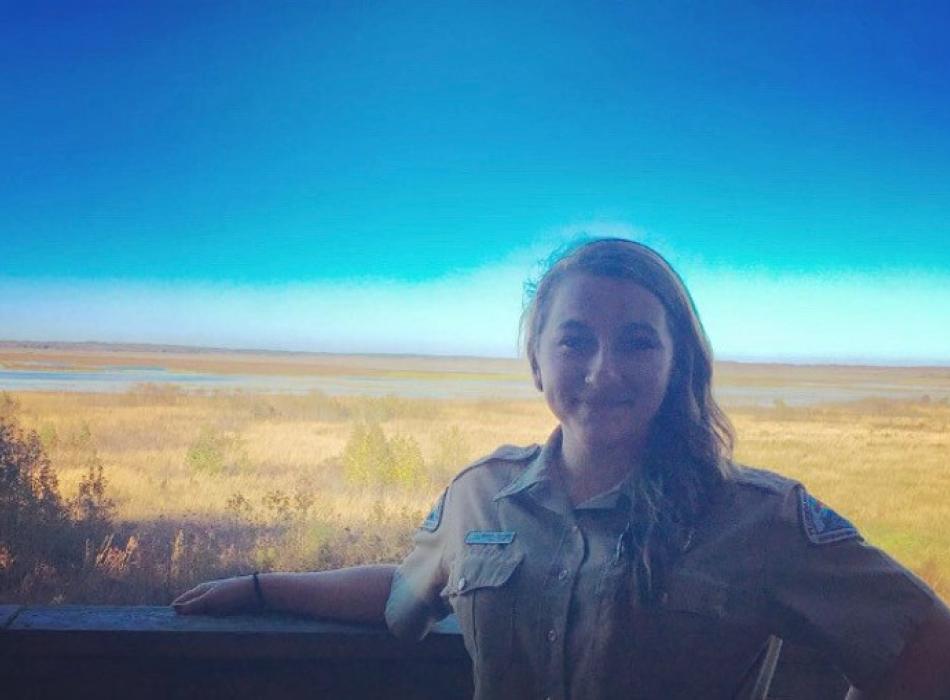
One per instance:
(209, 485)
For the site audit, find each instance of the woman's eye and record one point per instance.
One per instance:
(574, 343)
(641, 344)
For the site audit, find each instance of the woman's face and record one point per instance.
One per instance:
(603, 360)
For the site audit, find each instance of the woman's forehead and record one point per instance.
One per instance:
(579, 297)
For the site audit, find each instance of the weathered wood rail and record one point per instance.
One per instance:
(150, 652)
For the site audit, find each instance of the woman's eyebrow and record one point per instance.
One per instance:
(573, 325)
(641, 327)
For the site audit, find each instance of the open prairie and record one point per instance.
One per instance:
(212, 483)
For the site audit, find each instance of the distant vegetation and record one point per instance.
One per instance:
(131, 498)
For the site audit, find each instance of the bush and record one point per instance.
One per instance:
(31, 510)
(366, 455)
(407, 468)
(369, 458)
(214, 453)
(206, 453)
(43, 540)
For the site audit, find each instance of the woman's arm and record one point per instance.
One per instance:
(357, 594)
(922, 671)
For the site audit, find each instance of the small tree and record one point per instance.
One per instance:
(366, 456)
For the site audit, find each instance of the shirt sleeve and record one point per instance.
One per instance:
(828, 589)
(416, 599)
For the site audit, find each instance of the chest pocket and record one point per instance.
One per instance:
(697, 594)
(696, 606)
(703, 635)
(483, 593)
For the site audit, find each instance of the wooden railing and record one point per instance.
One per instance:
(143, 653)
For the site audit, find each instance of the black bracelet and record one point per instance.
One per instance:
(258, 594)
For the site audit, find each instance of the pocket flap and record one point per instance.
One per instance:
(481, 571)
(697, 594)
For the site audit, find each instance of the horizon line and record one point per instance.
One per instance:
(798, 361)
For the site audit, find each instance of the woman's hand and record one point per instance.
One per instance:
(221, 597)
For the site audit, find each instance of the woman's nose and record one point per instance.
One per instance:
(603, 369)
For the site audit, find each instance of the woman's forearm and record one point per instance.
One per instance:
(357, 594)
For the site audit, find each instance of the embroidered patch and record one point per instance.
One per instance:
(489, 537)
(431, 523)
(822, 525)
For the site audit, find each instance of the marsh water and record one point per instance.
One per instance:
(123, 379)
(441, 385)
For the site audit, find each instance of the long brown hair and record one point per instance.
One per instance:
(691, 441)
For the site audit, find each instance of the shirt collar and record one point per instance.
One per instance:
(541, 480)
(620, 495)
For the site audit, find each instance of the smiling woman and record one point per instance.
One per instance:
(630, 556)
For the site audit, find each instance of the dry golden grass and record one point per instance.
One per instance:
(279, 499)
(884, 464)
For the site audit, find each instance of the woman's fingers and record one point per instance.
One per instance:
(212, 598)
(195, 600)
(189, 608)
(192, 593)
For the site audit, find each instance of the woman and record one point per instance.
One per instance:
(628, 557)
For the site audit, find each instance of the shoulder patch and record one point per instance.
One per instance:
(434, 518)
(821, 524)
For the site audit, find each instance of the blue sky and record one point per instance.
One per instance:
(367, 177)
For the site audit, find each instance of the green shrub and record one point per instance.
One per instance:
(206, 453)
(370, 458)
(366, 455)
(216, 453)
(407, 469)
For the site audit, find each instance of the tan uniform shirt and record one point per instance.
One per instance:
(545, 592)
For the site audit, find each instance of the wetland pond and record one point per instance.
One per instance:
(435, 385)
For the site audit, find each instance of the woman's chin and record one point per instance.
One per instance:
(599, 436)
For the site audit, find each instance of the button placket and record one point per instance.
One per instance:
(565, 561)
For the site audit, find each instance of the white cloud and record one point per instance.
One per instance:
(886, 317)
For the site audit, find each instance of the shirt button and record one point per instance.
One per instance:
(563, 574)
(552, 635)
(462, 583)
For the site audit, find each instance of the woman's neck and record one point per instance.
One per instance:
(593, 469)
